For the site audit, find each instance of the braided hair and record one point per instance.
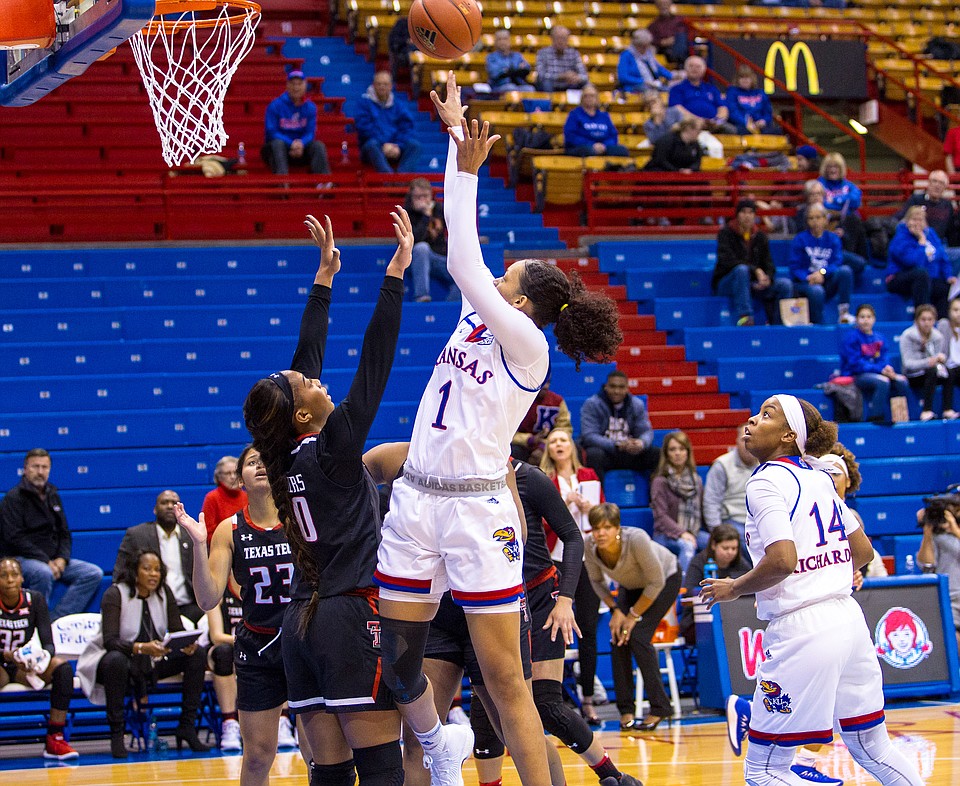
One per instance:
(269, 419)
(587, 323)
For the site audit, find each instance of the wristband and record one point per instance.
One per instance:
(634, 614)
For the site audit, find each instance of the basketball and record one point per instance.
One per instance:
(444, 29)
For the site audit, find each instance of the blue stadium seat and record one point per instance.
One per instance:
(914, 475)
(637, 517)
(627, 488)
(889, 515)
(904, 439)
(105, 509)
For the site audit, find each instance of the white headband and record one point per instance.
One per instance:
(793, 412)
(835, 464)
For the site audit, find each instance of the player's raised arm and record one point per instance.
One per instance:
(314, 324)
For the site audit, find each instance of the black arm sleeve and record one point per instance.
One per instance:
(110, 621)
(41, 619)
(347, 428)
(544, 498)
(314, 324)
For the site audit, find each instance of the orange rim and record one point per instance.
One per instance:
(239, 11)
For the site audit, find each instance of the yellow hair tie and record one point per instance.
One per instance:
(563, 307)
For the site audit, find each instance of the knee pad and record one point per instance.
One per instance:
(402, 645)
(221, 658)
(342, 774)
(61, 687)
(380, 765)
(558, 719)
(486, 743)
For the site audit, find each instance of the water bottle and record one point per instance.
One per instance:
(909, 565)
(344, 152)
(710, 570)
(242, 154)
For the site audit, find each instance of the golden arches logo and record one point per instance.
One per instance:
(791, 64)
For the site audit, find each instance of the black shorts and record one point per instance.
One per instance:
(449, 639)
(336, 666)
(542, 599)
(258, 662)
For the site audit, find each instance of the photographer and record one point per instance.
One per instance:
(940, 548)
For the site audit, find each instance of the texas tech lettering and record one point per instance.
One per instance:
(272, 550)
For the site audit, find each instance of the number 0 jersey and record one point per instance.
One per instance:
(263, 567)
(789, 500)
(472, 405)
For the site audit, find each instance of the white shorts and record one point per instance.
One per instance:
(469, 544)
(821, 671)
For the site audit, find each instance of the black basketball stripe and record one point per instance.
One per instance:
(474, 35)
(440, 32)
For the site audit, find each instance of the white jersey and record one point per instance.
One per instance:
(488, 374)
(789, 500)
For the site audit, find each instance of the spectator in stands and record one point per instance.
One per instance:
(227, 498)
(678, 151)
(649, 581)
(725, 548)
(662, 120)
(676, 498)
(291, 130)
(581, 491)
(724, 493)
(864, 356)
(547, 412)
(429, 242)
(506, 70)
(813, 194)
(817, 269)
(137, 612)
(399, 47)
(949, 328)
(951, 150)
(749, 107)
(808, 160)
(917, 265)
(589, 131)
(164, 536)
(615, 429)
(638, 69)
(33, 528)
(670, 34)
(745, 269)
(28, 656)
(560, 66)
(942, 217)
(700, 98)
(384, 124)
(940, 552)
(923, 358)
(842, 200)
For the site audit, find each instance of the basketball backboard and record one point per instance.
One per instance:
(86, 32)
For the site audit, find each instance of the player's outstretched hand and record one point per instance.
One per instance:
(196, 529)
(473, 149)
(717, 591)
(322, 235)
(561, 619)
(451, 111)
(404, 232)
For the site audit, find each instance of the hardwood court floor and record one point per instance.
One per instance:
(689, 755)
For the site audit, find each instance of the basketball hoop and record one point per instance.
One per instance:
(187, 56)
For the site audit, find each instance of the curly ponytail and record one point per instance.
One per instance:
(821, 434)
(267, 417)
(587, 323)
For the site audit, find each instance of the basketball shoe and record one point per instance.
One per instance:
(230, 736)
(58, 748)
(446, 762)
(738, 722)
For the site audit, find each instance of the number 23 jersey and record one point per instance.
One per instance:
(263, 567)
(789, 500)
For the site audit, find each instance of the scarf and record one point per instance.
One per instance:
(684, 486)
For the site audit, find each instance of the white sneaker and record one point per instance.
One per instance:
(446, 762)
(285, 738)
(599, 692)
(230, 736)
(458, 716)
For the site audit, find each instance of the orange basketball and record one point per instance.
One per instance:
(444, 29)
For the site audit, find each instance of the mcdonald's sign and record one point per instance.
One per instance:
(816, 69)
(791, 66)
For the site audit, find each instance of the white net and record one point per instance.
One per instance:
(187, 62)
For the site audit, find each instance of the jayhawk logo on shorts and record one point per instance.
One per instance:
(508, 536)
(774, 699)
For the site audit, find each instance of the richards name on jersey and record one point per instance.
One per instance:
(822, 559)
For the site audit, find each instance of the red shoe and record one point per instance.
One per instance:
(58, 748)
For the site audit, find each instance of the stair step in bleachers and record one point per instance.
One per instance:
(890, 515)
(911, 475)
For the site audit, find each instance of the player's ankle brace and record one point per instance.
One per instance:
(402, 645)
(380, 765)
(342, 774)
(486, 743)
(558, 719)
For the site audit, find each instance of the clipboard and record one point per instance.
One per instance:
(180, 639)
